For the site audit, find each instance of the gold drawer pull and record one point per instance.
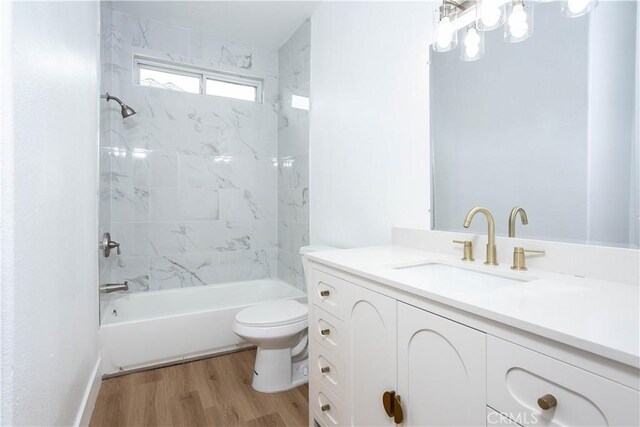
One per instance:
(326, 407)
(325, 293)
(325, 331)
(547, 402)
(392, 406)
(325, 370)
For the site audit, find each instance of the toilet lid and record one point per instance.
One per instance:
(273, 313)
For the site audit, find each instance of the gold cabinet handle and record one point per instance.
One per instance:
(325, 369)
(325, 293)
(547, 402)
(388, 402)
(467, 249)
(326, 407)
(325, 331)
(392, 406)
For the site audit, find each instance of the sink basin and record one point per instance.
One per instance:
(457, 277)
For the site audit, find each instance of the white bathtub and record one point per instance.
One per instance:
(153, 328)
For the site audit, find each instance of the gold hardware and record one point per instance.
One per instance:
(512, 219)
(467, 249)
(388, 402)
(547, 402)
(326, 407)
(392, 406)
(325, 369)
(324, 293)
(398, 413)
(519, 258)
(325, 331)
(492, 258)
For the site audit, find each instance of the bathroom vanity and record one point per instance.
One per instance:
(413, 336)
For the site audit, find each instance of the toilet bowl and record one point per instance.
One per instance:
(279, 330)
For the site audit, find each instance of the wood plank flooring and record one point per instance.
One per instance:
(208, 392)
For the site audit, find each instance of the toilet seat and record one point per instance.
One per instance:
(273, 314)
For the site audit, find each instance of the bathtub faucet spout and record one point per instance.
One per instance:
(112, 287)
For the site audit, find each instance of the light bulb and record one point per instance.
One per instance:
(518, 25)
(577, 6)
(490, 13)
(472, 43)
(445, 33)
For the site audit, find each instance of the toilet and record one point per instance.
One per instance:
(279, 330)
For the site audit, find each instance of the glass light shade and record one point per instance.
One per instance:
(445, 33)
(519, 24)
(575, 8)
(490, 14)
(472, 45)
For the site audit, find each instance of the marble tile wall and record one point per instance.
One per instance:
(191, 180)
(104, 184)
(293, 155)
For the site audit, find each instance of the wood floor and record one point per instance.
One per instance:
(209, 392)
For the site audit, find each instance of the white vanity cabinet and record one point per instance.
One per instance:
(367, 339)
(373, 344)
(441, 370)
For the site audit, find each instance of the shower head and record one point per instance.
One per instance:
(126, 111)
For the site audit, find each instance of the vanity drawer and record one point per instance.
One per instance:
(327, 330)
(518, 377)
(327, 291)
(333, 376)
(325, 406)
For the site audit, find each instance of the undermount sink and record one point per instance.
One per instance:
(451, 276)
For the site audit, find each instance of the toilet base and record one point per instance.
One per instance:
(274, 371)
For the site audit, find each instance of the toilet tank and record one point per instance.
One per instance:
(305, 263)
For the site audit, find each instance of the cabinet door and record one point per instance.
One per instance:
(370, 323)
(441, 370)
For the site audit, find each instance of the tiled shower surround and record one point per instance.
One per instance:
(189, 185)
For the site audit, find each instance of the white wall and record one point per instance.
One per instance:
(49, 219)
(369, 121)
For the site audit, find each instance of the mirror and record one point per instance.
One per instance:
(549, 124)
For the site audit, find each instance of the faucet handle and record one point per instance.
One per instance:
(519, 257)
(468, 249)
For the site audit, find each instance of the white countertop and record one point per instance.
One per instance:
(594, 315)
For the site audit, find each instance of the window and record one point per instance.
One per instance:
(300, 102)
(191, 79)
(169, 80)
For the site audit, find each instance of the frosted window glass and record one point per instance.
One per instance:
(231, 90)
(171, 81)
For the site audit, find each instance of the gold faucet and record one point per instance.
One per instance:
(512, 219)
(492, 258)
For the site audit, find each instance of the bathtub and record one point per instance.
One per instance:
(146, 329)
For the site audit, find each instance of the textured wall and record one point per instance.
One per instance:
(48, 196)
(193, 178)
(293, 155)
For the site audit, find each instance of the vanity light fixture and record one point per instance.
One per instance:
(575, 8)
(519, 25)
(472, 44)
(486, 15)
(446, 34)
(490, 14)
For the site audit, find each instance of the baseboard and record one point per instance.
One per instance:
(90, 396)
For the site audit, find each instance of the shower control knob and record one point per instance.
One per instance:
(106, 244)
(325, 293)
(325, 331)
